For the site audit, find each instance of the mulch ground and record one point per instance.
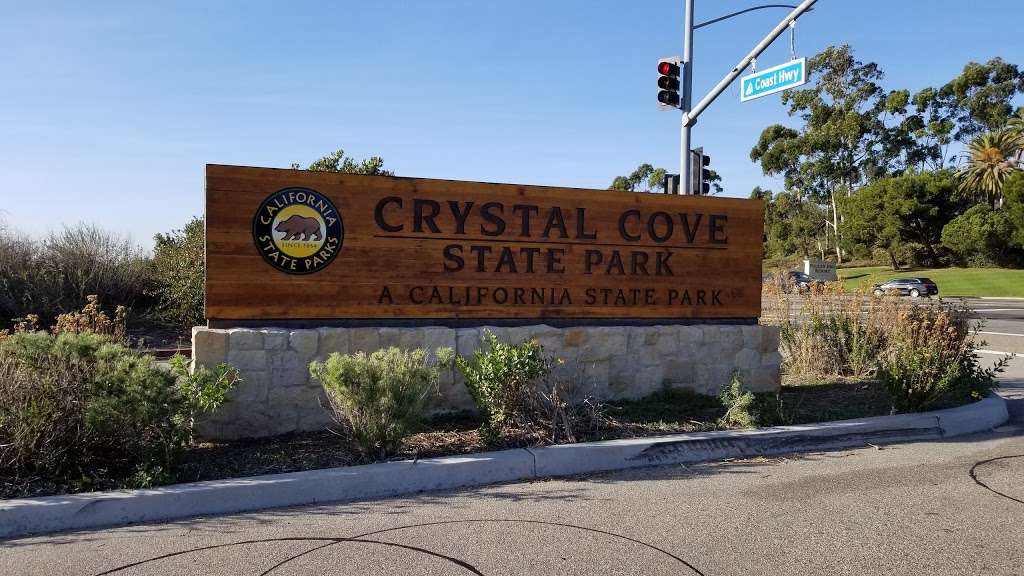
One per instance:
(668, 412)
(675, 413)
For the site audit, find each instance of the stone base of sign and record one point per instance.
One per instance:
(277, 394)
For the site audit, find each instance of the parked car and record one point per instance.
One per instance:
(912, 287)
(794, 282)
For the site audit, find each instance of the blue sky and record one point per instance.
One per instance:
(109, 110)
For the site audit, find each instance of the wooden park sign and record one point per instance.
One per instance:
(297, 245)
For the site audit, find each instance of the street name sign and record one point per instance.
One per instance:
(775, 79)
(297, 245)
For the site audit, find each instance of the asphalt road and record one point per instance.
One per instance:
(1002, 324)
(928, 508)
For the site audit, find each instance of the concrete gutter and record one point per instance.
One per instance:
(103, 509)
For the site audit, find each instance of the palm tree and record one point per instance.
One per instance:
(990, 159)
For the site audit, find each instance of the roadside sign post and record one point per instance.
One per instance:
(775, 79)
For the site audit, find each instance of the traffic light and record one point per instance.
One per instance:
(668, 82)
(700, 174)
(705, 174)
(672, 184)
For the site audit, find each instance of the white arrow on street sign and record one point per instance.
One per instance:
(775, 79)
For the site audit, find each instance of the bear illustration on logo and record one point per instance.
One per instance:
(296, 226)
(298, 230)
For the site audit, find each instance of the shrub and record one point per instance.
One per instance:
(981, 236)
(930, 360)
(180, 268)
(83, 410)
(93, 319)
(17, 277)
(381, 396)
(54, 276)
(737, 403)
(501, 378)
(832, 334)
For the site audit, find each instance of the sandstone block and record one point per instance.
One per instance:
(602, 343)
(769, 338)
(364, 340)
(245, 339)
(287, 369)
(251, 391)
(333, 340)
(305, 342)
(248, 359)
(209, 347)
(275, 339)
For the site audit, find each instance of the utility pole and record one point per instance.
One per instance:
(669, 99)
(684, 130)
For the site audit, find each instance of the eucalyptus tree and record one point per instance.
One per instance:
(337, 162)
(851, 131)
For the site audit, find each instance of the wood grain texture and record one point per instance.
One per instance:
(634, 255)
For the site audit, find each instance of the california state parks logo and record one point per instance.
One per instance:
(298, 230)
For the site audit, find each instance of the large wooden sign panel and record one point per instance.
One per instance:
(297, 245)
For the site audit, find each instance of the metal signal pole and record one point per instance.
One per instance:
(690, 112)
(684, 135)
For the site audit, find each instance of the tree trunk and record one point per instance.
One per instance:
(929, 249)
(835, 228)
(892, 258)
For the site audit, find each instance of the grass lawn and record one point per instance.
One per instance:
(951, 281)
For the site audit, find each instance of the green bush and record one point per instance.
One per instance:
(381, 396)
(180, 269)
(737, 403)
(981, 236)
(501, 379)
(930, 361)
(84, 411)
(54, 276)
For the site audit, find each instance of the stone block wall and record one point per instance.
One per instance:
(278, 395)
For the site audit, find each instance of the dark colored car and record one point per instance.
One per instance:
(794, 282)
(912, 287)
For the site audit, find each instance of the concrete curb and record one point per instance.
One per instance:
(103, 509)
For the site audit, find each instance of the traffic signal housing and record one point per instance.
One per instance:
(700, 174)
(705, 174)
(668, 82)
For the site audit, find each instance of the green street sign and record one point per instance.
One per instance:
(774, 79)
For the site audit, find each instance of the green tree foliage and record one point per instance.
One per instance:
(337, 162)
(180, 269)
(851, 132)
(911, 208)
(647, 178)
(1013, 189)
(791, 225)
(982, 235)
(976, 101)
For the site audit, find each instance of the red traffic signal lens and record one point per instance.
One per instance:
(668, 69)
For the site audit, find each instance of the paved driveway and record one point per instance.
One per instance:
(927, 508)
